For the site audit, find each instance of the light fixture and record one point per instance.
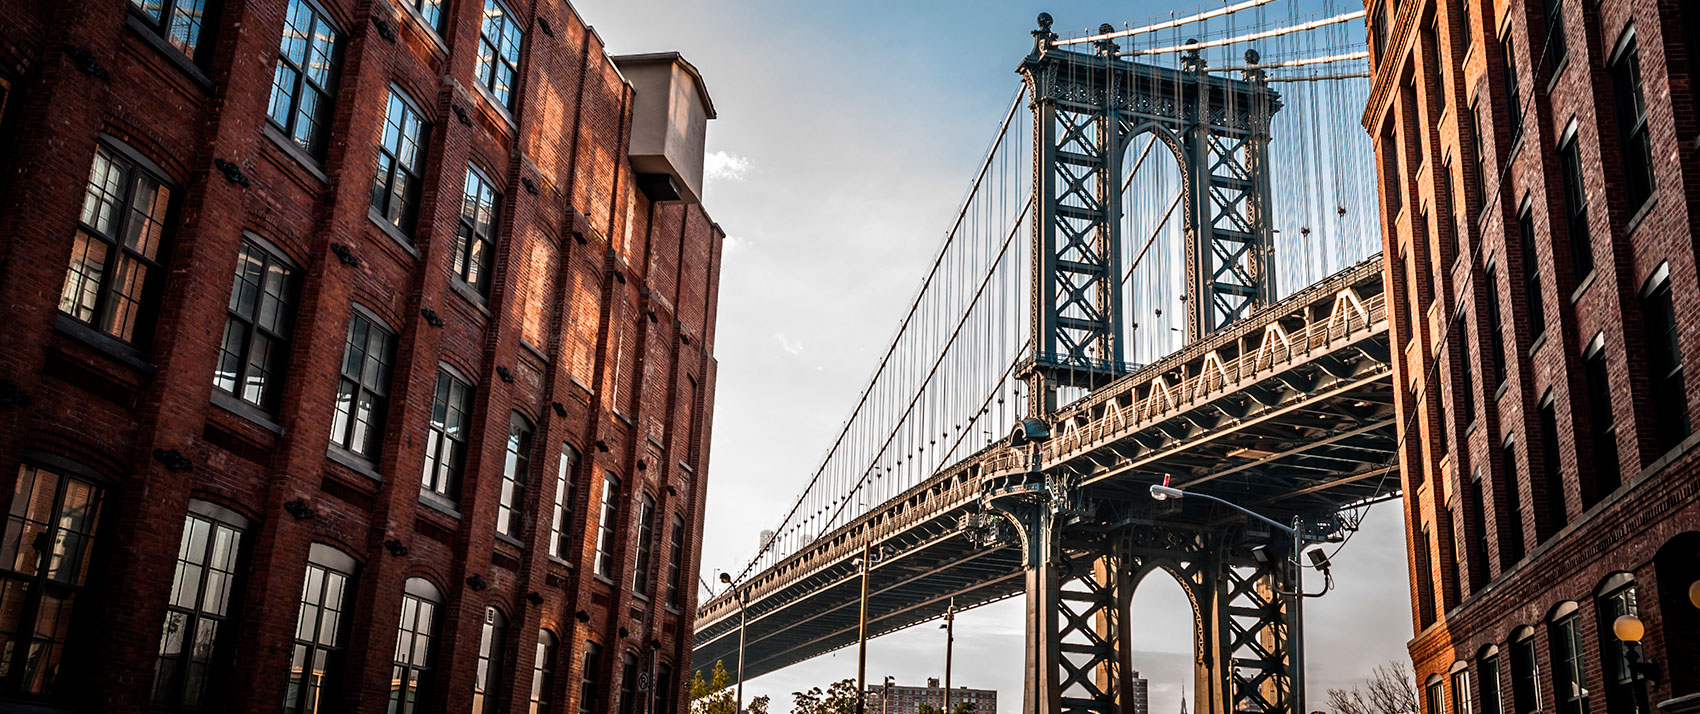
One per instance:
(1694, 593)
(1628, 628)
(726, 578)
(1164, 493)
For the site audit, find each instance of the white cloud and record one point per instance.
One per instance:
(785, 343)
(725, 165)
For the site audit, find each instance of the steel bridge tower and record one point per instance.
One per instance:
(1084, 553)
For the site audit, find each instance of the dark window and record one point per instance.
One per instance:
(1496, 329)
(178, 21)
(1390, 150)
(115, 268)
(675, 565)
(410, 675)
(195, 632)
(1466, 32)
(628, 684)
(663, 689)
(1466, 379)
(1475, 510)
(1453, 238)
(1478, 141)
(255, 349)
(1513, 92)
(560, 526)
(1664, 361)
(486, 686)
(1525, 677)
(1552, 476)
(477, 243)
(1425, 576)
(499, 38)
(1602, 426)
(44, 566)
(1626, 693)
(588, 691)
(363, 392)
(431, 11)
(401, 158)
(1461, 692)
(542, 673)
(1511, 533)
(1436, 696)
(1570, 668)
(1576, 210)
(1533, 306)
(510, 519)
(302, 82)
(1492, 698)
(605, 530)
(1553, 12)
(317, 656)
(446, 435)
(1633, 144)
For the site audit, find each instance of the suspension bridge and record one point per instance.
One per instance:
(1165, 271)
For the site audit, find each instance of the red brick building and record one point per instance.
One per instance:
(357, 356)
(1540, 194)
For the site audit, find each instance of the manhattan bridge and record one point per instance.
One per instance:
(1165, 272)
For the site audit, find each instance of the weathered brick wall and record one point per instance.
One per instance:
(600, 316)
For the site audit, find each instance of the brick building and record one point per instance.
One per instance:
(356, 355)
(1540, 194)
(896, 698)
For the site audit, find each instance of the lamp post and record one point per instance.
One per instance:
(862, 639)
(949, 644)
(1163, 492)
(742, 621)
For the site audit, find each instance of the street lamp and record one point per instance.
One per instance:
(1164, 492)
(1629, 630)
(739, 595)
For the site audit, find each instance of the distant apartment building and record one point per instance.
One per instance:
(900, 699)
(1539, 175)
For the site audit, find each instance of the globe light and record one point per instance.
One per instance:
(1628, 628)
(1694, 593)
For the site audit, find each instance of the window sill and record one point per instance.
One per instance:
(439, 503)
(425, 26)
(233, 404)
(112, 347)
(172, 54)
(510, 540)
(623, 418)
(496, 104)
(470, 295)
(640, 597)
(534, 351)
(390, 229)
(1641, 213)
(1499, 391)
(604, 580)
(558, 560)
(355, 462)
(294, 151)
(1558, 72)
(1587, 282)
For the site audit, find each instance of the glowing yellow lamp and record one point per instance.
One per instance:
(1628, 628)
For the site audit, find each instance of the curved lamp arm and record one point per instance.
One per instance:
(1161, 493)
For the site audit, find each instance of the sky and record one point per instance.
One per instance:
(846, 138)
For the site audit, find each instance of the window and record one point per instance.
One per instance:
(1475, 517)
(1466, 32)
(317, 657)
(1602, 427)
(363, 395)
(44, 566)
(1461, 692)
(676, 565)
(301, 84)
(542, 673)
(1511, 535)
(1570, 669)
(1531, 274)
(628, 684)
(178, 21)
(1436, 696)
(560, 526)
(645, 548)
(1525, 676)
(499, 38)
(255, 347)
(1552, 477)
(1478, 142)
(1466, 380)
(1513, 93)
(401, 157)
(431, 11)
(1576, 209)
(609, 519)
(1626, 693)
(115, 270)
(1636, 152)
(1496, 328)
(445, 437)
(1426, 611)
(476, 245)
(588, 692)
(510, 519)
(202, 587)
(486, 687)
(1492, 698)
(1553, 12)
(1664, 361)
(410, 675)
(664, 688)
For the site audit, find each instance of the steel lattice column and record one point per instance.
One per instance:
(1245, 623)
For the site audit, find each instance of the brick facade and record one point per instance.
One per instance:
(1545, 309)
(597, 330)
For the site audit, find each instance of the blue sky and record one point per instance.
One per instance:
(847, 135)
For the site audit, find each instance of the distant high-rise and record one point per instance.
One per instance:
(899, 699)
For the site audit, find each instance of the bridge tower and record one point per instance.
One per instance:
(1084, 558)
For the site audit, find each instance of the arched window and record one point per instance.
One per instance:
(588, 690)
(628, 684)
(645, 546)
(203, 589)
(1525, 673)
(319, 631)
(492, 643)
(1626, 693)
(446, 435)
(542, 673)
(49, 537)
(560, 525)
(1569, 663)
(509, 520)
(410, 676)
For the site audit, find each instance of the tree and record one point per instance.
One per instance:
(963, 708)
(1390, 690)
(713, 695)
(759, 704)
(840, 698)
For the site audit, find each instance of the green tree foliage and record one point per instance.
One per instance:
(713, 695)
(963, 708)
(840, 698)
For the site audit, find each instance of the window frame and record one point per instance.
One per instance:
(1525, 675)
(1602, 422)
(1629, 108)
(543, 672)
(1534, 295)
(38, 677)
(516, 471)
(313, 144)
(410, 667)
(566, 489)
(1579, 236)
(1569, 663)
(162, 27)
(440, 479)
(400, 211)
(280, 339)
(487, 67)
(330, 561)
(475, 250)
(642, 583)
(372, 450)
(492, 646)
(676, 564)
(1669, 391)
(607, 526)
(589, 687)
(100, 317)
(184, 694)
